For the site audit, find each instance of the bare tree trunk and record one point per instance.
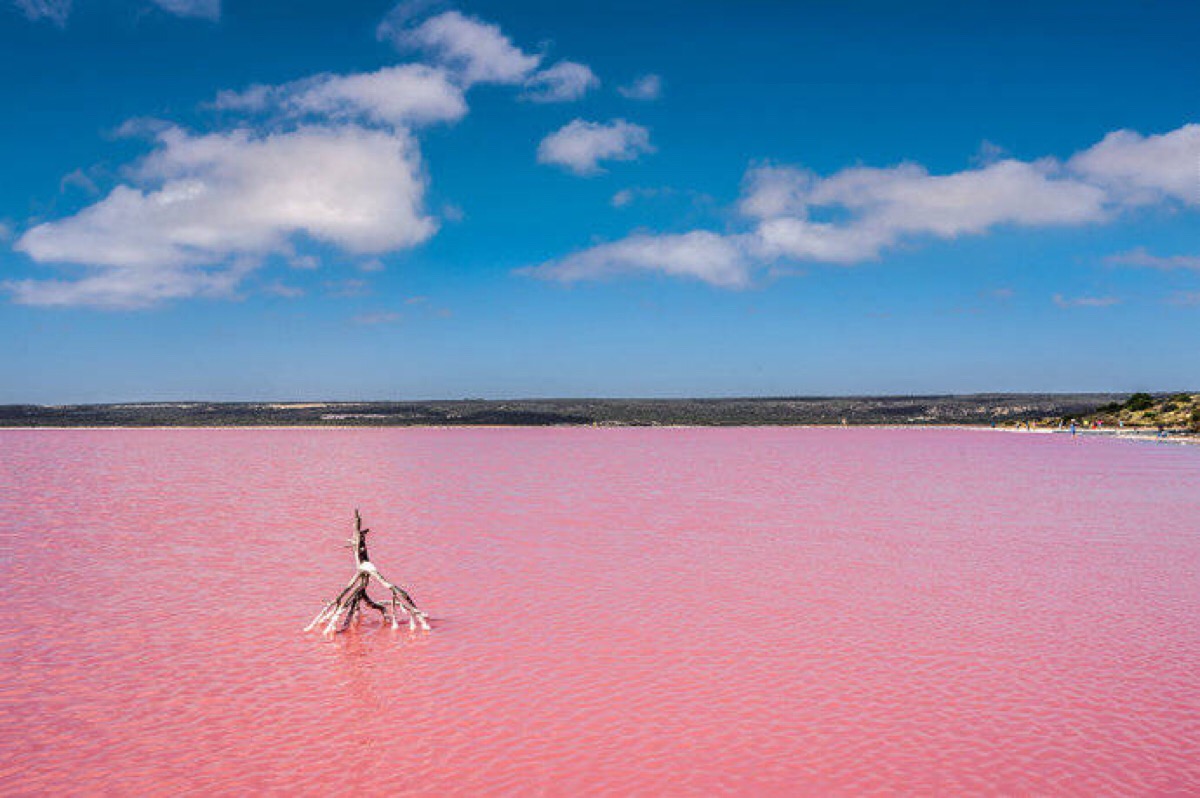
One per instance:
(344, 608)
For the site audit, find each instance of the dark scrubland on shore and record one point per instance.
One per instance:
(1166, 411)
(976, 409)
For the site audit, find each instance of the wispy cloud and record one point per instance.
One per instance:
(474, 50)
(399, 96)
(283, 290)
(131, 288)
(378, 317)
(78, 180)
(1140, 258)
(1184, 298)
(348, 288)
(627, 196)
(204, 9)
(699, 255)
(58, 11)
(646, 87)
(563, 82)
(55, 11)
(580, 146)
(1086, 301)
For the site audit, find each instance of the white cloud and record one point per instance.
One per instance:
(330, 159)
(258, 97)
(406, 95)
(476, 51)
(646, 87)
(1142, 259)
(580, 146)
(856, 214)
(199, 203)
(627, 196)
(882, 205)
(127, 288)
(877, 208)
(563, 82)
(6, 231)
(1140, 170)
(701, 255)
(800, 239)
(1086, 301)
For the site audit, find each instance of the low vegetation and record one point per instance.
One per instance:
(1178, 411)
(979, 409)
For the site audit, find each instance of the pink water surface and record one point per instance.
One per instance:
(621, 611)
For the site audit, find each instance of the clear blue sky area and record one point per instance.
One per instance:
(248, 199)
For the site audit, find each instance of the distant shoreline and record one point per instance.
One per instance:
(1145, 436)
(931, 410)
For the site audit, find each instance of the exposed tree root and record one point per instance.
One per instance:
(343, 610)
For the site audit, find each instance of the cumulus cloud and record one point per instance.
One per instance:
(646, 87)
(884, 205)
(701, 255)
(563, 82)
(474, 50)
(857, 214)
(330, 158)
(202, 209)
(406, 95)
(1140, 258)
(580, 146)
(1141, 170)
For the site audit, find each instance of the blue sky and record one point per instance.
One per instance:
(214, 199)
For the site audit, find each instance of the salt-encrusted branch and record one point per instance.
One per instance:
(344, 608)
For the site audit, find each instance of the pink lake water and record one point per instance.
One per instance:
(616, 611)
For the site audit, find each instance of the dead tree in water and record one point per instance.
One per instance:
(345, 607)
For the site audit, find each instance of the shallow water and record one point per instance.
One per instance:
(653, 611)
